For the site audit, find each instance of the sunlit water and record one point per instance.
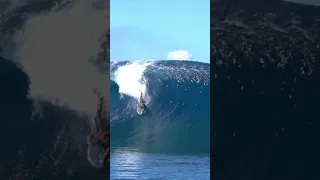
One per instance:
(125, 165)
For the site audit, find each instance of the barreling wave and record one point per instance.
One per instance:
(178, 106)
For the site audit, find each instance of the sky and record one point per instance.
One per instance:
(160, 30)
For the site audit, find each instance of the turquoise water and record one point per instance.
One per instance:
(161, 144)
(127, 165)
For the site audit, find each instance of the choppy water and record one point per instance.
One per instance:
(128, 164)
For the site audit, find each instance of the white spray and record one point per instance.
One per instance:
(130, 79)
(54, 50)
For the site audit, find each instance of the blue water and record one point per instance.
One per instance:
(172, 139)
(128, 164)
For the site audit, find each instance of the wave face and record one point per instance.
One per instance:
(177, 119)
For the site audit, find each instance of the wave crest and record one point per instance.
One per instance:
(178, 107)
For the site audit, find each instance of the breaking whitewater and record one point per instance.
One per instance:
(177, 95)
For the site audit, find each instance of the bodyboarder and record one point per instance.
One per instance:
(101, 136)
(142, 104)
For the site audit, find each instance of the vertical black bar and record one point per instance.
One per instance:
(265, 90)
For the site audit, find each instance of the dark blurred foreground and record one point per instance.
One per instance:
(49, 146)
(265, 90)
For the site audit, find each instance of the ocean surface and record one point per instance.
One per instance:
(172, 139)
(128, 164)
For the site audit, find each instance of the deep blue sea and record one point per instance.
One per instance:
(172, 139)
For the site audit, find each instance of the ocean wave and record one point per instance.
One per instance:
(177, 98)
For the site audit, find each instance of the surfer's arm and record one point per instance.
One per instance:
(99, 102)
(141, 96)
(105, 158)
(98, 116)
(101, 113)
(96, 121)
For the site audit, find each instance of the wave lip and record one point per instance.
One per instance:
(130, 78)
(178, 115)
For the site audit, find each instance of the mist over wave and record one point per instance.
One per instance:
(130, 78)
(56, 48)
(178, 116)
